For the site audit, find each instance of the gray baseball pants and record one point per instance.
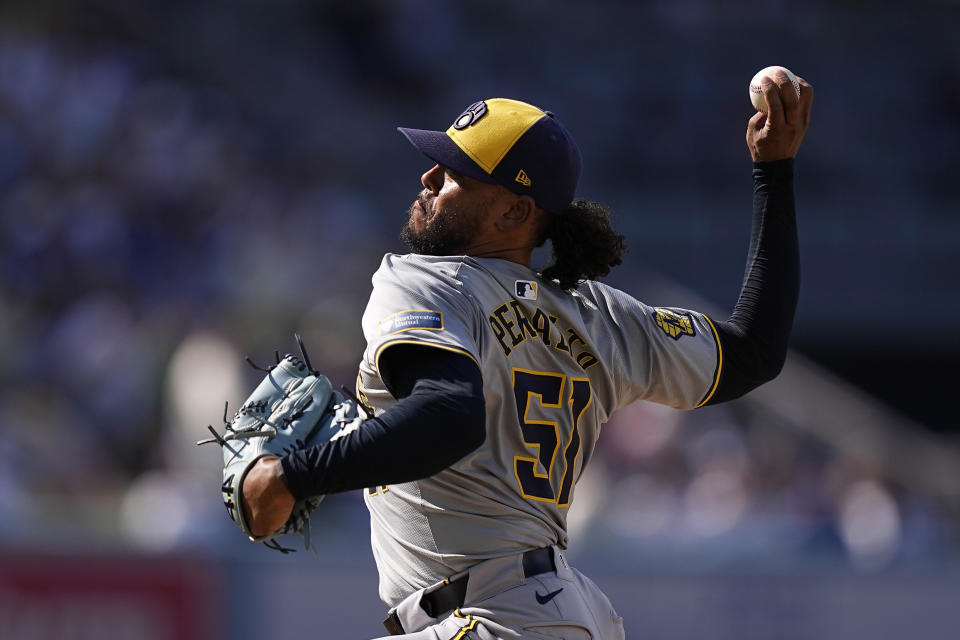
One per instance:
(501, 603)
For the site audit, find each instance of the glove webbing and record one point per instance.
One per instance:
(299, 520)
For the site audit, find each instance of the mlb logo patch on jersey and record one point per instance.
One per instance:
(526, 289)
(674, 324)
(409, 320)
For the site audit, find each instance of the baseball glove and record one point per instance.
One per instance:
(293, 408)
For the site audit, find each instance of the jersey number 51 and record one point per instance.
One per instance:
(547, 389)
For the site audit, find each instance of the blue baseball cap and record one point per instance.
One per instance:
(510, 143)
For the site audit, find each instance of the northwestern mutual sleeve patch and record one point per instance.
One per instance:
(412, 319)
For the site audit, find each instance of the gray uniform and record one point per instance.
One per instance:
(555, 365)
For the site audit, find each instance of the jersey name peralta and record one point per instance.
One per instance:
(555, 365)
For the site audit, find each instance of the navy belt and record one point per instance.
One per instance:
(449, 595)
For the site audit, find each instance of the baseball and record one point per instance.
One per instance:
(756, 90)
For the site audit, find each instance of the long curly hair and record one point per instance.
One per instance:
(584, 242)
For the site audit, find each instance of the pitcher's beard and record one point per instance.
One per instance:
(449, 233)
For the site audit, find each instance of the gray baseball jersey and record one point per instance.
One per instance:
(555, 365)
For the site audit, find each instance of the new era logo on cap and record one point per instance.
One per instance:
(510, 143)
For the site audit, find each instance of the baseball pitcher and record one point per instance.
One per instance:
(488, 381)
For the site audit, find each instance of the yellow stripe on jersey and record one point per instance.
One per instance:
(504, 123)
(716, 377)
(463, 630)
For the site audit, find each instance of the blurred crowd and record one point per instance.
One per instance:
(734, 487)
(136, 211)
(154, 229)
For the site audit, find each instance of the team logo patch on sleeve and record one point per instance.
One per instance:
(526, 289)
(674, 324)
(409, 320)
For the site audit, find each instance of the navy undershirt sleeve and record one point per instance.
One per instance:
(438, 419)
(755, 338)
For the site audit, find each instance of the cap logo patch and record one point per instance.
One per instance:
(523, 178)
(470, 115)
(526, 289)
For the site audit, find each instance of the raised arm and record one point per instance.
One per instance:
(754, 339)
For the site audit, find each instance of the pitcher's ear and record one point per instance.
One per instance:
(522, 210)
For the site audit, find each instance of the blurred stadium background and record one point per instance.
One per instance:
(184, 183)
